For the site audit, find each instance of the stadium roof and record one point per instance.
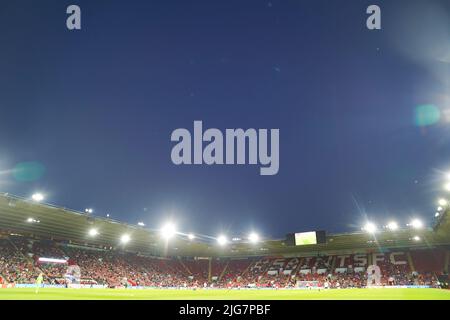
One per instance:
(29, 218)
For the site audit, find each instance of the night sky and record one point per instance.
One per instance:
(86, 116)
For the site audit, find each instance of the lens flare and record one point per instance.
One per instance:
(28, 171)
(427, 115)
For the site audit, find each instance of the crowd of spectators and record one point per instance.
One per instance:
(14, 267)
(19, 263)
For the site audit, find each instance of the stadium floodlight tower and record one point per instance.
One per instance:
(253, 237)
(168, 230)
(38, 197)
(416, 224)
(370, 227)
(222, 240)
(124, 239)
(93, 232)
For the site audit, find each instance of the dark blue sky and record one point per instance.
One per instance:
(96, 108)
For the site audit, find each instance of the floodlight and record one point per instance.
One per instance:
(222, 240)
(439, 208)
(416, 238)
(436, 214)
(124, 238)
(38, 197)
(191, 236)
(141, 224)
(416, 224)
(88, 210)
(93, 232)
(168, 230)
(447, 186)
(370, 227)
(392, 226)
(253, 237)
(442, 202)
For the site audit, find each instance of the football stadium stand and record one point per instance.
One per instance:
(38, 238)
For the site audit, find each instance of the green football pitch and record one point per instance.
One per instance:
(222, 294)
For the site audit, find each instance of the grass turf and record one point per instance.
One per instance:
(200, 294)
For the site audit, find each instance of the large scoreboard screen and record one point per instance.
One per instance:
(303, 238)
(306, 238)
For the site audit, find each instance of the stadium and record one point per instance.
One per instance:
(80, 256)
(224, 150)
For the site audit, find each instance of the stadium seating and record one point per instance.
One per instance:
(428, 260)
(20, 263)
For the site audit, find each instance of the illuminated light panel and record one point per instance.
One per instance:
(392, 226)
(168, 230)
(38, 197)
(253, 237)
(222, 240)
(416, 224)
(125, 238)
(370, 227)
(52, 260)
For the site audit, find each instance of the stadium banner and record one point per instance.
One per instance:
(87, 286)
(32, 285)
(308, 284)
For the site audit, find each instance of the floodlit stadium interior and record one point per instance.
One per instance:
(65, 245)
